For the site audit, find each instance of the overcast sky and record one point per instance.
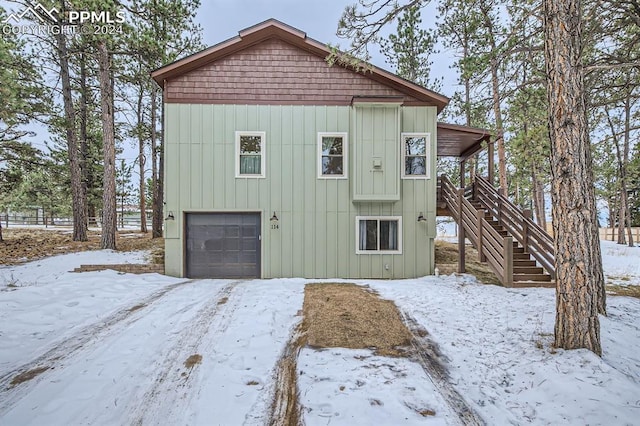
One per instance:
(222, 19)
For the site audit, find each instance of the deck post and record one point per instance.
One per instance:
(490, 155)
(461, 234)
(480, 218)
(508, 261)
(463, 165)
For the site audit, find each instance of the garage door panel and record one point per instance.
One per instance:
(248, 231)
(223, 245)
(231, 244)
(214, 244)
(231, 231)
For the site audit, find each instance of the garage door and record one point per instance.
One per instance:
(223, 245)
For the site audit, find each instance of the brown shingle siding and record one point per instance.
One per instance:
(274, 71)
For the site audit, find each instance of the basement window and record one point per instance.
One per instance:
(250, 154)
(332, 155)
(378, 235)
(415, 155)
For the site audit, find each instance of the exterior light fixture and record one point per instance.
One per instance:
(274, 218)
(170, 216)
(421, 218)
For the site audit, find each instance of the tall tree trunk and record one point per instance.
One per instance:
(78, 198)
(612, 216)
(84, 145)
(158, 165)
(156, 219)
(538, 198)
(625, 161)
(622, 215)
(109, 184)
(141, 162)
(577, 248)
(160, 188)
(495, 89)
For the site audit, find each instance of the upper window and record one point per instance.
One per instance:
(332, 155)
(415, 155)
(378, 235)
(250, 154)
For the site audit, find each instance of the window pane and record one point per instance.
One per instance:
(368, 235)
(415, 146)
(250, 144)
(331, 145)
(415, 166)
(250, 165)
(388, 235)
(331, 165)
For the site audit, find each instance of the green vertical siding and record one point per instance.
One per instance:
(376, 135)
(316, 235)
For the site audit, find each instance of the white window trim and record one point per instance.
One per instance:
(378, 218)
(427, 137)
(263, 153)
(345, 154)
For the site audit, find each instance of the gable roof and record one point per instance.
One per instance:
(275, 29)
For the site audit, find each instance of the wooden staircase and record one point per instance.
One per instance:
(516, 249)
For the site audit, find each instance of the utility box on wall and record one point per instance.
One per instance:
(376, 175)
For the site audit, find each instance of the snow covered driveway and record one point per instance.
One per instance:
(163, 351)
(104, 348)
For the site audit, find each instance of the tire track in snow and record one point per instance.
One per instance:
(68, 347)
(430, 359)
(174, 376)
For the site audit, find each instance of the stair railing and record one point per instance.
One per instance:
(492, 247)
(528, 233)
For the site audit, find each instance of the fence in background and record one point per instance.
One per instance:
(611, 234)
(10, 220)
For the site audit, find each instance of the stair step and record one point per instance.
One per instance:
(521, 256)
(519, 250)
(523, 263)
(523, 284)
(531, 277)
(527, 270)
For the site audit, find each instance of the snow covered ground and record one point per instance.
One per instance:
(116, 348)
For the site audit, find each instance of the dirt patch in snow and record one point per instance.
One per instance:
(335, 315)
(193, 360)
(27, 375)
(446, 255)
(624, 290)
(22, 245)
(354, 317)
(285, 408)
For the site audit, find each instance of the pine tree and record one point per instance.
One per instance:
(165, 30)
(577, 248)
(409, 49)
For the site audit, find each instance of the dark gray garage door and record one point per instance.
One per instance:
(223, 245)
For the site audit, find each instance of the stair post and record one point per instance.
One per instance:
(501, 192)
(525, 228)
(508, 261)
(480, 218)
(461, 234)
